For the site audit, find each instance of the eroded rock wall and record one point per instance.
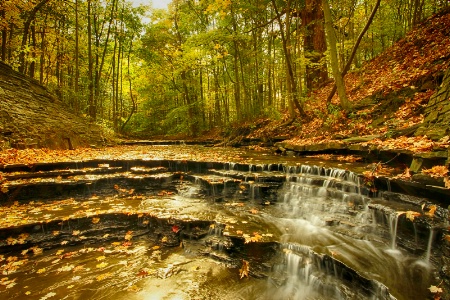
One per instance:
(30, 116)
(437, 114)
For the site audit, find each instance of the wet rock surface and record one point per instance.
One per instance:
(32, 117)
(183, 229)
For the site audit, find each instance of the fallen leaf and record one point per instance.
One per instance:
(48, 295)
(129, 235)
(95, 220)
(244, 270)
(175, 228)
(103, 276)
(432, 210)
(411, 215)
(436, 171)
(102, 265)
(66, 268)
(434, 289)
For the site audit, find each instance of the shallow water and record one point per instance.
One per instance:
(307, 233)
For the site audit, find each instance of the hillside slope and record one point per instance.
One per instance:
(389, 94)
(31, 117)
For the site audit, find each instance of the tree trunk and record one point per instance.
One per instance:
(345, 104)
(291, 85)
(133, 100)
(77, 63)
(26, 29)
(99, 65)
(355, 48)
(92, 108)
(33, 54)
(42, 58)
(4, 37)
(314, 44)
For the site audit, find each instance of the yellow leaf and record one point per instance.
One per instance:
(431, 211)
(102, 265)
(27, 293)
(40, 271)
(436, 171)
(129, 235)
(66, 268)
(103, 276)
(100, 258)
(411, 215)
(434, 289)
(164, 239)
(243, 271)
(95, 220)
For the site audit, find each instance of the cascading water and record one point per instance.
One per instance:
(307, 232)
(327, 210)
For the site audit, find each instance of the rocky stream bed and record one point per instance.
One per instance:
(190, 229)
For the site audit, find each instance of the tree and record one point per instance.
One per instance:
(26, 29)
(345, 104)
(355, 48)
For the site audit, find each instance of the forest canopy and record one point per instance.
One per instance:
(201, 64)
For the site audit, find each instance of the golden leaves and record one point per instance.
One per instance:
(101, 265)
(104, 276)
(447, 182)
(252, 239)
(410, 215)
(436, 171)
(432, 210)
(405, 175)
(436, 291)
(66, 268)
(129, 235)
(95, 220)
(244, 270)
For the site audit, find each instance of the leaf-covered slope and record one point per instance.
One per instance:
(389, 93)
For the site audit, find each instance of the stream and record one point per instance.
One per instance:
(265, 228)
